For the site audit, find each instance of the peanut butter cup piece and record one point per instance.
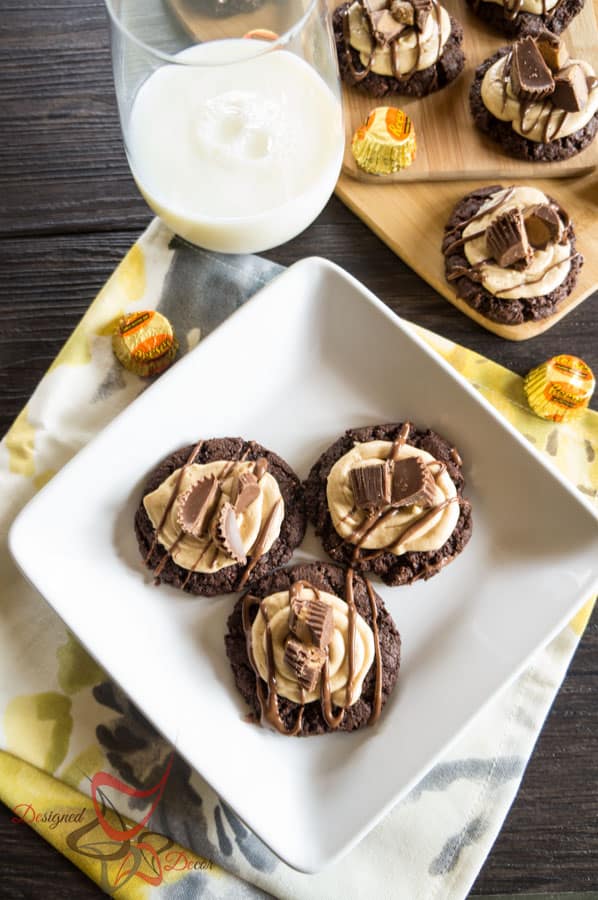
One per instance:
(412, 482)
(370, 486)
(248, 490)
(422, 9)
(531, 79)
(229, 536)
(385, 26)
(553, 50)
(311, 620)
(305, 662)
(402, 11)
(195, 506)
(543, 226)
(506, 239)
(570, 89)
(260, 467)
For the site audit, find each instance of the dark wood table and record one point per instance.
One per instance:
(70, 210)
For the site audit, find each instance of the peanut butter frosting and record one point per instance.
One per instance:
(398, 530)
(547, 269)
(277, 609)
(205, 553)
(539, 121)
(414, 51)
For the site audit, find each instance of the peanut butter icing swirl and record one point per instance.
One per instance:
(547, 269)
(275, 619)
(205, 553)
(411, 51)
(539, 121)
(410, 528)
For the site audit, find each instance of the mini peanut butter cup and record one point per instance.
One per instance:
(412, 483)
(305, 661)
(311, 620)
(229, 535)
(195, 506)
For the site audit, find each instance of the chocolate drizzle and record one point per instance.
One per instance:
(377, 706)
(269, 712)
(382, 41)
(258, 549)
(266, 690)
(260, 468)
(380, 515)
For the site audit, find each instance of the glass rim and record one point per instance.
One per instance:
(280, 41)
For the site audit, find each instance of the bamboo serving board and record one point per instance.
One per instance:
(449, 146)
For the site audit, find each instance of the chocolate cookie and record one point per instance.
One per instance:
(515, 144)
(498, 17)
(411, 565)
(507, 312)
(237, 521)
(308, 588)
(448, 66)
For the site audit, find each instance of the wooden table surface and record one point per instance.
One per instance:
(69, 211)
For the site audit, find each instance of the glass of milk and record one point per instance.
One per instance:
(231, 114)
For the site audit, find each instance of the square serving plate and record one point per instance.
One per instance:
(312, 354)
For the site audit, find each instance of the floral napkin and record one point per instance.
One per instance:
(81, 765)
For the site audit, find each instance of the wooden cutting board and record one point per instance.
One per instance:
(449, 146)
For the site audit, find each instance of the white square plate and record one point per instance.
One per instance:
(312, 354)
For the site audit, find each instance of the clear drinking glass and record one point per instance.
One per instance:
(231, 116)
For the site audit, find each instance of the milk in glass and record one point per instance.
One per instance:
(236, 157)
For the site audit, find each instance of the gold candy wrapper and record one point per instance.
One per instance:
(386, 143)
(560, 389)
(144, 343)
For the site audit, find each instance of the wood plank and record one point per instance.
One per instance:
(62, 162)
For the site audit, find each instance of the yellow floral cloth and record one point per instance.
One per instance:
(82, 766)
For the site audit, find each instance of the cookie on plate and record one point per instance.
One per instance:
(516, 18)
(218, 515)
(534, 101)
(387, 499)
(397, 46)
(306, 681)
(510, 253)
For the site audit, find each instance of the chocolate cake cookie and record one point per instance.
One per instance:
(216, 516)
(387, 499)
(514, 269)
(521, 17)
(535, 102)
(397, 46)
(306, 681)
